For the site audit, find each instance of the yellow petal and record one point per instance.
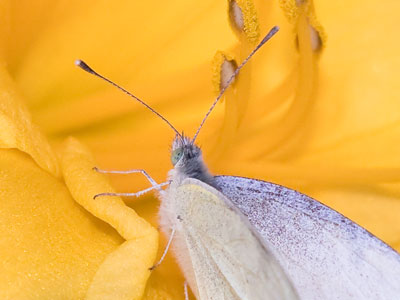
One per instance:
(124, 273)
(17, 129)
(50, 247)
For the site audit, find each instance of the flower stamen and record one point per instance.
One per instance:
(224, 66)
(286, 138)
(243, 19)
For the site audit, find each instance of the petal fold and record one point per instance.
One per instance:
(18, 131)
(124, 273)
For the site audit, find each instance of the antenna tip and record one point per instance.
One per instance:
(81, 64)
(270, 34)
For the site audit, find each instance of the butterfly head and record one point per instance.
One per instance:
(187, 160)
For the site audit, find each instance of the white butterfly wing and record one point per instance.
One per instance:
(228, 260)
(326, 255)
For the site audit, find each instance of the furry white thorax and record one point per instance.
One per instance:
(167, 215)
(191, 165)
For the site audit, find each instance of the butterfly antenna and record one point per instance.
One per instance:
(84, 66)
(228, 83)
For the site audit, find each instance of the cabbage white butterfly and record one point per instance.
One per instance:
(241, 238)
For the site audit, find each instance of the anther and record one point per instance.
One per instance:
(228, 68)
(236, 15)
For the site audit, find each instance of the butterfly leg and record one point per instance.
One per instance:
(149, 178)
(185, 290)
(171, 236)
(154, 184)
(137, 194)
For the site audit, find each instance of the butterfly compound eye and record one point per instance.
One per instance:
(176, 155)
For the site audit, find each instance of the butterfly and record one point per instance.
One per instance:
(241, 238)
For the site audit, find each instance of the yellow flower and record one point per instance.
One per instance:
(316, 114)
